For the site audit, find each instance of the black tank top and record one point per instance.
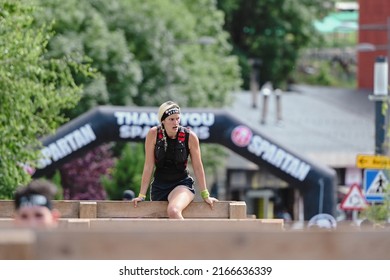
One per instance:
(171, 165)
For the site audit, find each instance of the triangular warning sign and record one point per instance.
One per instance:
(378, 185)
(354, 200)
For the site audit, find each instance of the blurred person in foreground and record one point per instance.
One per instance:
(167, 148)
(33, 205)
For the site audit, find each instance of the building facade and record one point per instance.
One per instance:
(374, 38)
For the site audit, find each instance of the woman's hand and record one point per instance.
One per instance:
(136, 200)
(210, 201)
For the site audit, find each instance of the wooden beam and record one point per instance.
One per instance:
(136, 224)
(6, 222)
(78, 223)
(237, 210)
(157, 209)
(88, 209)
(17, 244)
(68, 208)
(145, 209)
(213, 245)
(7, 208)
(194, 225)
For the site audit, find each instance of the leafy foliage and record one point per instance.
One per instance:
(34, 91)
(145, 53)
(273, 31)
(378, 213)
(166, 39)
(127, 172)
(81, 183)
(81, 30)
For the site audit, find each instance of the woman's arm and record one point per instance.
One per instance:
(196, 160)
(197, 166)
(150, 143)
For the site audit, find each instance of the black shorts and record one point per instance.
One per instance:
(159, 191)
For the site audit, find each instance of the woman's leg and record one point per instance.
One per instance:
(178, 199)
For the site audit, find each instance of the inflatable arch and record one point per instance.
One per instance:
(117, 123)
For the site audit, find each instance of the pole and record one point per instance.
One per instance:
(254, 79)
(266, 91)
(254, 86)
(355, 216)
(380, 94)
(278, 96)
(380, 129)
(264, 110)
(321, 196)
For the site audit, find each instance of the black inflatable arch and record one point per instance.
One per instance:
(115, 123)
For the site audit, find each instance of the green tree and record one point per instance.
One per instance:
(127, 172)
(81, 29)
(273, 31)
(167, 39)
(145, 52)
(34, 91)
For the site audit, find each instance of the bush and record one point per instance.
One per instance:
(126, 173)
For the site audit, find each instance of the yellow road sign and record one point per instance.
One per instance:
(373, 162)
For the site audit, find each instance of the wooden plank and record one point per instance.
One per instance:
(145, 209)
(7, 208)
(126, 209)
(278, 223)
(136, 224)
(88, 209)
(17, 244)
(230, 245)
(237, 210)
(193, 225)
(68, 208)
(203, 210)
(6, 222)
(78, 223)
(157, 209)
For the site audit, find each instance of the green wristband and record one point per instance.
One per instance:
(205, 194)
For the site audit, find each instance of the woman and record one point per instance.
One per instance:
(167, 148)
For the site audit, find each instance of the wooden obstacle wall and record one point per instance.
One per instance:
(145, 209)
(107, 230)
(205, 244)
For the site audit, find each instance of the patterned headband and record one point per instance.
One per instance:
(170, 111)
(33, 200)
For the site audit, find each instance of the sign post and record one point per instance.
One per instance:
(380, 97)
(354, 200)
(375, 183)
